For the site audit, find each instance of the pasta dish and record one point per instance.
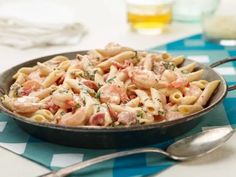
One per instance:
(113, 86)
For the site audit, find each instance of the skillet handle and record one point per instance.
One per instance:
(2, 92)
(220, 62)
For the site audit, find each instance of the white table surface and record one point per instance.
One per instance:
(106, 22)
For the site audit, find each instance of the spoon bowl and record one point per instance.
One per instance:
(187, 148)
(199, 144)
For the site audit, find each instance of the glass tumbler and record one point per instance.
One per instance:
(149, 16)
(191, 10)
(220, 26)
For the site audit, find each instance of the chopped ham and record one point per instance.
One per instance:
(97, 119)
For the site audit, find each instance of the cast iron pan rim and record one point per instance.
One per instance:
(114, 129)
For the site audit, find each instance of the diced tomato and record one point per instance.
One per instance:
(97, 119)
(132, 96)
(51, 106)
(159, 118)
(25, 92)
(90, 84)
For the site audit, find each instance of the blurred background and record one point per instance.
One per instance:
(42, 27)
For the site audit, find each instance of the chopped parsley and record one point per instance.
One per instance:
(184, 72)
(99, 108)
(2, 98)
(90, 64)
(63, 91)
(110, 80)
(72, 73)
(99, 85)
(169, 65)
(161, 113)
(90, 75)
(84, 102)
(78, 105)
(86, 74)
(140, 114)
(136, 58)
(62, 113)
(15, 88)
(98, 95)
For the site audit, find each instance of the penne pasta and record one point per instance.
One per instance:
(187, 100)
(156, 98)
(148, 62)
(201, 83)
(189, 109)
(146, 101)
(188, 68)
(176, 97)
(177, 60)
(207, 93)
(118, 58)
(166, 56)
(194, 75)
(112, 50)
(113, 86)
(24, 70)
(44, 69)
(52, 78)
(134, 102)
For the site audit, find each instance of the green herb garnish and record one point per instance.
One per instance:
(63, 91)
(78, 105)
(98, 95)
(169, 66)
(161, 113)
(110, 80)
(136, 58)
(184, 72)
(62, 113)
(84, 102)
(98, 110)
(140, 114)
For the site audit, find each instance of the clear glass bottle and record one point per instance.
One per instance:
(191, 10)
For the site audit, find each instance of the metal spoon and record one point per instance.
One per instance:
(185, 149)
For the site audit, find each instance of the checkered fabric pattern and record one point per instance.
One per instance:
(56, 156)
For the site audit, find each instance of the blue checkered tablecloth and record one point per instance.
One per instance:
(56, 156)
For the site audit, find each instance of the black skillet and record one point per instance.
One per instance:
(110, 137)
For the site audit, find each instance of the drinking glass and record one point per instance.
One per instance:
(191, 10)
(149, 16)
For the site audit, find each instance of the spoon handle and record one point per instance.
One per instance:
(78, 166)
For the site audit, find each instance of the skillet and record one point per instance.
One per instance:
(114, 137)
